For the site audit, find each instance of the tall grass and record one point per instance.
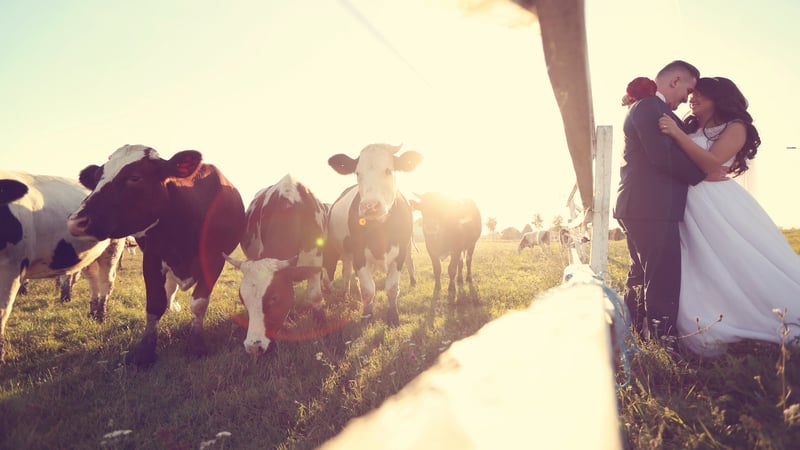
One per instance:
(65, 384)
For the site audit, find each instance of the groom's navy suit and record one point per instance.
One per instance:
(654, 178)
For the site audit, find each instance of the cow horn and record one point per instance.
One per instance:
(233, 261)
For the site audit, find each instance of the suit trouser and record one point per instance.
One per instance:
(655, 251)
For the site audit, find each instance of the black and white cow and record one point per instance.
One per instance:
(184, 214)
(283, 242)
(451, 228)
(533, 238)
(370, 223)
(34, 241)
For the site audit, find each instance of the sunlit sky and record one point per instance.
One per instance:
(265, 88)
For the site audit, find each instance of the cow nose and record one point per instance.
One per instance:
(371, 208)
(258, 347)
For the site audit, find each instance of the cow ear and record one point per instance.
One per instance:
(407, 161)
(90, 176)
(343, 164)
(11, 190)
(300, 273)
(185, 163)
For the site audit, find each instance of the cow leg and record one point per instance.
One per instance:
(469, 253)
(10, 286)
(367, 287)
(314, 294)
(461, 268)
(437, 274)
(97, 308)
(154, 279)
(171, 289)
(455, 262)
(347, 275)
(329, 260)
(23, 288)
(411, 269)
(64, 285)
(199, 304)
(392, 292)
(101, 276)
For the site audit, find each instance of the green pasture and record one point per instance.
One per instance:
(65, 384)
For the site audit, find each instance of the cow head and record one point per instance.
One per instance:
(267, 292)
(375, 168)
(129, 192)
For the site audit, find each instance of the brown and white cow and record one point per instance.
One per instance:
(451, 228)
(34, 241)
(533, 238)
(370, 223)
(283, 242)
(184, 214)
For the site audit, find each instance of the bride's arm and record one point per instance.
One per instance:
(729, 143)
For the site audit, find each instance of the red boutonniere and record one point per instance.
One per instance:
(638, 89)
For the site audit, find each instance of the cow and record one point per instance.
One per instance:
(283, 242)
(451, 228)
(616, 234)
(370, 223)
(34, 240)
(533, 238)
(100, 275)
(183, 213)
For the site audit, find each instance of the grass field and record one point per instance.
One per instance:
(65, 385)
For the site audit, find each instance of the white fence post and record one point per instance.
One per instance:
(602, 199)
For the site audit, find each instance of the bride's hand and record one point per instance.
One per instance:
(721, 174)
(668, 126)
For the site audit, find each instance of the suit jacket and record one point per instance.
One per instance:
(655, 173)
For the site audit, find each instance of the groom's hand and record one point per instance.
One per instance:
(720, 174)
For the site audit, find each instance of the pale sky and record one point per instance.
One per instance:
(266, 87)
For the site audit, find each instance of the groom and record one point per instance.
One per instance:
(655, 176)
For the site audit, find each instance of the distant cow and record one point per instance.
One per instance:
(34, 241)
(533, 238)
(370, 223)
(283, 242)
(451, 228)
(616, 234)
(184, 215)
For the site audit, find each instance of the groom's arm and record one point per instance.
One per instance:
(662, 152)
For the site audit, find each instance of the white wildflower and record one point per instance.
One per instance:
(116, 434)
(318, 356)
(208, 443)
(223, 434)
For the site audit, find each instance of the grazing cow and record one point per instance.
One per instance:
(565, 238)
(283, 242)
(451, 228)
(370, 223)
(184, 214)
(34, 241)
(533, 238)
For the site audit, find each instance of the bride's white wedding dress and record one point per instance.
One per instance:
(735, 262)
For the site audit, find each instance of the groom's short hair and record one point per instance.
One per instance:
(679, 65)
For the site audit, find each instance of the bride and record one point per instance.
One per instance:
(738, 272)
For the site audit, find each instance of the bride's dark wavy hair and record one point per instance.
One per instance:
(729, 106)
